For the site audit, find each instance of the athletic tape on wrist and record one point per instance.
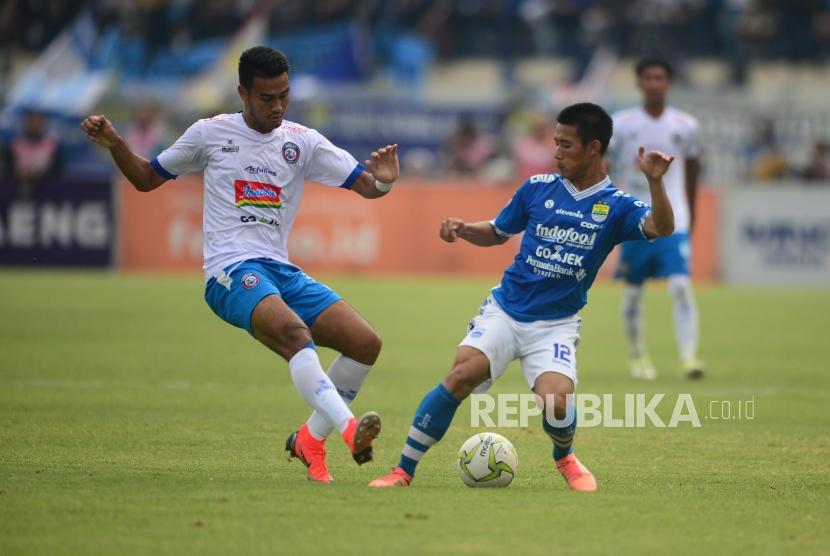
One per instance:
(382, 186)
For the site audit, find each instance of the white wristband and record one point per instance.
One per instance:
(383, 187)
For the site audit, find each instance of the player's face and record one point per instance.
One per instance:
(654, 82)
(572, 156)
(266, 101)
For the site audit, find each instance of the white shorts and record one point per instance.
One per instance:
(540, 346)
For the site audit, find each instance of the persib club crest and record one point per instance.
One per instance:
(600, 212)
(291, 152)
(249, 280)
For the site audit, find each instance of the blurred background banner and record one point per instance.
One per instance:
(65, 222)
(162, 230)
(337, 231)
(360, 124)
(777, 236)
(470, 91)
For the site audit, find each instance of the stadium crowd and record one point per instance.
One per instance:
(408, 36)
(740, 30)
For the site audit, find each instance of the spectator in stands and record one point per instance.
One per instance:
(819, 166)
(33, 155)
(32, 24)
(469, 149)
(533, 150)
(766, 161)
(146, 135)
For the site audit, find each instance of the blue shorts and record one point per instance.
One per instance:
(641, 260)
(243, 285)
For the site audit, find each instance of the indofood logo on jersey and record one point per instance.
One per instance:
(569, 236)
(256, 194)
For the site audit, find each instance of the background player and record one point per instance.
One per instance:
(255, 164)
(658, 126)
(570, 223)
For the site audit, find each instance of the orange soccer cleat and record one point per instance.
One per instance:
(312, 452)
(576, 474)
(398, 477)
(360, 434)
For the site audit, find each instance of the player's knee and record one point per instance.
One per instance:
(462, 380)
(365, 348)
(680, 288)
(294, 336)
(560, 405)
(371, 345)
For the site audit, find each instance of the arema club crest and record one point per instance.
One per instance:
(290, 152)
(250, 280)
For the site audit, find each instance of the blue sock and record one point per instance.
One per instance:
(431, 421)
(563, 437)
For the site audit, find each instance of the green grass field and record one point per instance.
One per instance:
(136, 422)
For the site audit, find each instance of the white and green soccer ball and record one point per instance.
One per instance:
(487, 459)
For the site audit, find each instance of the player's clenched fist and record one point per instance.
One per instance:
(100, 130)
(451, 228)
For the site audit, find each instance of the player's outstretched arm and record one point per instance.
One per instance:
(382, 169)
(135, 168)
(478, 233)
(660, 221)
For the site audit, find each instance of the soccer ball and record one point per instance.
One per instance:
(487, 459)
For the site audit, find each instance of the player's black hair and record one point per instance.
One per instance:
(591, 122)
(654, 62)
(261, 61)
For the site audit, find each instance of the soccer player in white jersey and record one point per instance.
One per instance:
(255, 164)
(659, 126)
(571, 221)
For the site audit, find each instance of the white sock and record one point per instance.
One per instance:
(685, 316)
(316, 388)
(347, 375)
(632, 317)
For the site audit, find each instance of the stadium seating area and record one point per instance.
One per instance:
(358, 62)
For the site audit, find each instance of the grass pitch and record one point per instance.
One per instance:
(133, 421)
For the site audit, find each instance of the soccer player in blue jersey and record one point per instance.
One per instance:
(571, 221)
(656, 125)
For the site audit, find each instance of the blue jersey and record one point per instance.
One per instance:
(567, 236)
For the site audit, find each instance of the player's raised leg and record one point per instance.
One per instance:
(685, 324)
(279, 328)
(341, 328)
(559, 423)
(435, 413)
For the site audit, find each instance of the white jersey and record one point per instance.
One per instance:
(253, 182)
(675, 133)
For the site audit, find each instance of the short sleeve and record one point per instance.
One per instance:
(514, 216)
(186, 155)
(330, 165)
(694, 148)
(633, 219)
